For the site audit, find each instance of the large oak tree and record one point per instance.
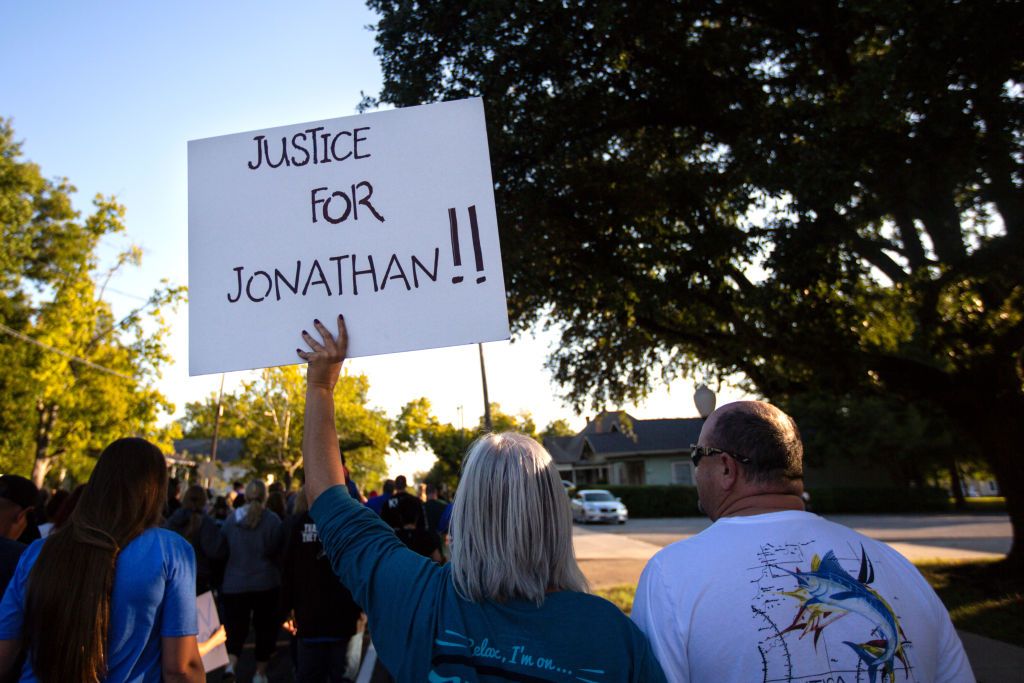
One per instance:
(822, 196)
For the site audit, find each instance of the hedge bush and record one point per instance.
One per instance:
(868, 500)
(656, 501)
(681, 501)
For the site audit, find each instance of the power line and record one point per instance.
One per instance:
(127, 294)
(70, 357)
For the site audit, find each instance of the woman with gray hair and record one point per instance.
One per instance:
(512, 603)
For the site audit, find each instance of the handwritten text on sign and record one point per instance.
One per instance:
(388, 218)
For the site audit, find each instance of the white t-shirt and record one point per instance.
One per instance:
(789, 596)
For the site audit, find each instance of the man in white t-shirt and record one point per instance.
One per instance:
(770, 592)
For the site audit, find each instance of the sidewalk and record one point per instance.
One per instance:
(993, 661)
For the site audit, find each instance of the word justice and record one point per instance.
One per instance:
(310, 146)
(332, 276)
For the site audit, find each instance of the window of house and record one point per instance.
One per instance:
(682, 473)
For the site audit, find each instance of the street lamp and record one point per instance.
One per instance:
(705, 400)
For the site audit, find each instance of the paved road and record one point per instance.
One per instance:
(918, 537)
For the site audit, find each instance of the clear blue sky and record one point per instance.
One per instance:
(107, 94)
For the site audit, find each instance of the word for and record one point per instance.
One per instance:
(312, 145)
(352, 203)
(347, 268)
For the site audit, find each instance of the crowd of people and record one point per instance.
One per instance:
(256, 548)
(100, 583)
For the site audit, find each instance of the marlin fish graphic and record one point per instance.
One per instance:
(829, 590)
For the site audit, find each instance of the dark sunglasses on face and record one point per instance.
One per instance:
(697, 453)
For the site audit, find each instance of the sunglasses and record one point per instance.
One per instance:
(698, 453)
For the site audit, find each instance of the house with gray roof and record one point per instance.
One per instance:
(229, 455)
(616, 448)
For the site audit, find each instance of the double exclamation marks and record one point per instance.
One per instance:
(453, 222)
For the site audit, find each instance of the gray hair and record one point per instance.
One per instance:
(511, 527)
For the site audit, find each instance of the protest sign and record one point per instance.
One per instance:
(209, 622)
(387, 218)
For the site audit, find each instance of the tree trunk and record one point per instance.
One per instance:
(40, 468)
(44, 459)
(997, 428)
(957, 485)
(1010, 476)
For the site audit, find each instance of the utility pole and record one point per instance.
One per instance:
(216, 425)
(488, 426)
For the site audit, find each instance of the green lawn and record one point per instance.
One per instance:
(986, 598)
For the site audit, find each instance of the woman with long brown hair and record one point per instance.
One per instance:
(109, 596)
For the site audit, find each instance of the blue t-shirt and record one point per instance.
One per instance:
(154, 596)
(424, 631)
(377, 502)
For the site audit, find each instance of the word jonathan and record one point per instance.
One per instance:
(343, 274)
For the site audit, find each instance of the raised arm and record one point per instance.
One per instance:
(397, 588)
(321, 458)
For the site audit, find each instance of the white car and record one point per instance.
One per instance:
(598, 505)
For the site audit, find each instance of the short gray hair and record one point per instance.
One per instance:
(511, 527)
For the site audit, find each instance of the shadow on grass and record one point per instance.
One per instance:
(986, 598)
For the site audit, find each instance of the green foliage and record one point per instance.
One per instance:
(825, 196)
(417, 428)
(909, 442)
(268, 413)
(559, 427)
(88, 377)
(505, 422)
(878, 500)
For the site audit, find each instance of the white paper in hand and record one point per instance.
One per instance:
(209, 622)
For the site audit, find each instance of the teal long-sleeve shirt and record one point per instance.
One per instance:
(424, 631)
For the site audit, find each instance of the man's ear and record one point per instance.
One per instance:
(728, 474)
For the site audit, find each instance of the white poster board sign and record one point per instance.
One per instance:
(387, 218)
(209, 622)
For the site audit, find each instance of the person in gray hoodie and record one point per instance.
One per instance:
(252, 579)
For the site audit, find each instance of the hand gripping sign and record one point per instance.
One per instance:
(387, 218)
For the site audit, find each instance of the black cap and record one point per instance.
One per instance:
(19, 490)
